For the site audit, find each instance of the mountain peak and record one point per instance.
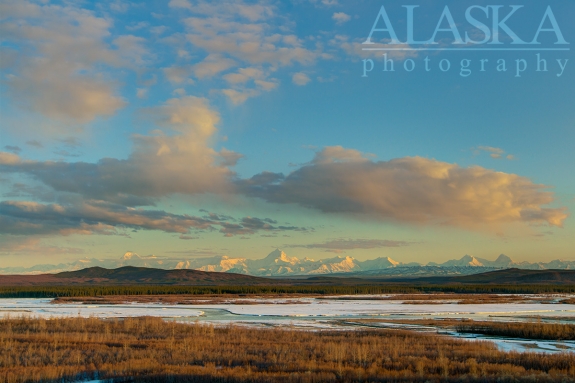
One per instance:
(378, 263)
(129, 255)
(279, 256)
(466, 260)
(471, 260)
(503, 258)
(392, 261)
(277, 253)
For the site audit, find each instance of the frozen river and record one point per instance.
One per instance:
(315, 313)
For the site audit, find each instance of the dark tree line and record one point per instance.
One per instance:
(92, 291)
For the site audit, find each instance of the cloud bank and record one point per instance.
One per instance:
(177, 159)
(59, 68)
(98, 217)
(410, 190)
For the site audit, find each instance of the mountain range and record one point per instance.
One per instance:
(145, 276)
(278, 264)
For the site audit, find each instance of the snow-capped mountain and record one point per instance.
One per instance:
(278, 263)
(501, 261)
(220, 264)
(467, 260)
(505, 262)
(379, 263)
(558, 264)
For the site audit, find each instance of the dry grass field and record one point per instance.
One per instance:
(152, 350)
(524, 330)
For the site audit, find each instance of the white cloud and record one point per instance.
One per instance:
(340, 18)
(496, 153)
(212, 65)
(244, 75)
(245, 43)
(410, 189)
(177, 159)
(60, 66)
(266, 85)
(240, 96)
(180, 4)
(119, 6)
(300, 78)
(178, 74)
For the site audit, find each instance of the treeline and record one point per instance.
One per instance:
(92, 291)
(152, 350)
(525, 330)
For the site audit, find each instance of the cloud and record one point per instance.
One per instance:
(251, 225)
(139, 25)
(323, 3)
(244, 32)
(409, 190)
(333, 154)
(19, 245)
(243, 75)
(353, 49)
(340, 18)
(54, 91)
(496, 153)
(93, 217)
(177, 159)
(178, 74)
(212, 65)
(239, 97)
(119, 6)
(180, 4)
(158, 30)
(66, 153)
(216, 217)
(249, 40)
(187, 237)
(24, 191)
(9, 158)
(70, 142)
(98, 217)
(131, 49)
(13, 149)
(35, 143)
(62, 50)
(300, 78)
(250, 11)
(351, 244)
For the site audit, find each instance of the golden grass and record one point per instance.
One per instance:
(524, 330)
(152, 350)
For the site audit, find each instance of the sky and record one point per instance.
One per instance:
(188, 128)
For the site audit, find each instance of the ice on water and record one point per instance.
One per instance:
(312, 314)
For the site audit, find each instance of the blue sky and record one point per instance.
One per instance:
(192, 128)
